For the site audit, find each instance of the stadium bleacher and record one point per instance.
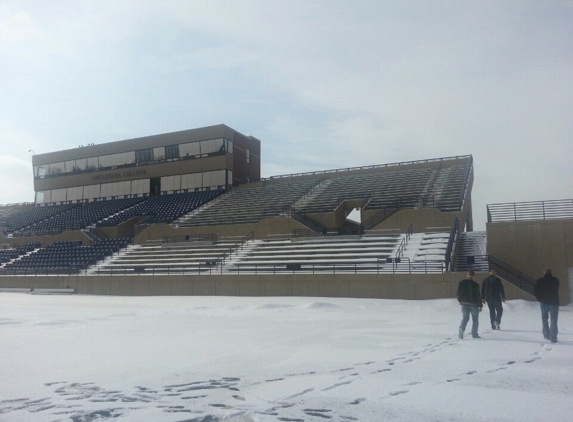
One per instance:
(64, 257)
(439, 184)
(248, 205)
(19, 220)
(163, 208)
(79, 217)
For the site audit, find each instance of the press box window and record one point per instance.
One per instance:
(171, 152)
(144, 155)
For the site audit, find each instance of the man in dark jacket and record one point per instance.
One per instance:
(493, 293)
(469, 297)
(547, 293)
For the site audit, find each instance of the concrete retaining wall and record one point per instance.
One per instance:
(386, 286)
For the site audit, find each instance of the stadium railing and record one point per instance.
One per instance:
(451, 241)
(404, 242)
(506, 271)
(530, 211)
(377, 166)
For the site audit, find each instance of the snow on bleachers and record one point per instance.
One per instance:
(425, 252)
(167, 258)
(330, 254)
(248, 205)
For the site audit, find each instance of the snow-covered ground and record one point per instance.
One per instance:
(94, 358)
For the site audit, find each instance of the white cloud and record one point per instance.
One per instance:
(17, 27)
(18, 180)
(322, 85)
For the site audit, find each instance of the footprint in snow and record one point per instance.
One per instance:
(381, 370)
(496, 370)
(336, 385)
(397, 393)
(343, 370)
(308, 390)
(365, 363)
(320, 415)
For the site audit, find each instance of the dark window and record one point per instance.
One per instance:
(171, 152)
(144, 155)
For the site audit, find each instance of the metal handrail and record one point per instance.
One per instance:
(393, 266)
(311, 223)
(381, 266)
(451, 240)
(379, 216)
(404, 242)
(466, 184)
(209, 237)
(401, 163)
(530, 211)
(513, 275)
(507, 272)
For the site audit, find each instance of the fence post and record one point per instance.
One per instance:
(514, 211)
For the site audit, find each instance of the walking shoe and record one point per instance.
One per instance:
(493, 327)
(476, 336)
(461, 334)
(497, 327)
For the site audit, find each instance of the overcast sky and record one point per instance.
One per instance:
(323, 84)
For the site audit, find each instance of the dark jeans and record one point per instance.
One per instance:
(549, 312)
(466, 311)
(495, 311)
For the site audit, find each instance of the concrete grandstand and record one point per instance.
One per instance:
(187, 213)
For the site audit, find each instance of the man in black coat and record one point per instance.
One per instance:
(469, 297)
(493, 293)
(547, 293)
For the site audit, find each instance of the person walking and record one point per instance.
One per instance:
(468, 295)
(547, 293)
(493, 293)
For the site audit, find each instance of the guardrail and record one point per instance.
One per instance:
(401, 163)
(378, 217)
(311, 223)
(239, 244)
(404, 242)
(466, 183)
(381, 266)
(42, 271)
(504, 270)
(208, 237)
(450, 247)
(514, 276)
(530, 211)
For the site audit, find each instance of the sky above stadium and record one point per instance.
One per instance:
(323, 85)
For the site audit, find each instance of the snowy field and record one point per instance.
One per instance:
(94, 358)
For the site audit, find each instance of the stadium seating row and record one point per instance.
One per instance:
(64, 257)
